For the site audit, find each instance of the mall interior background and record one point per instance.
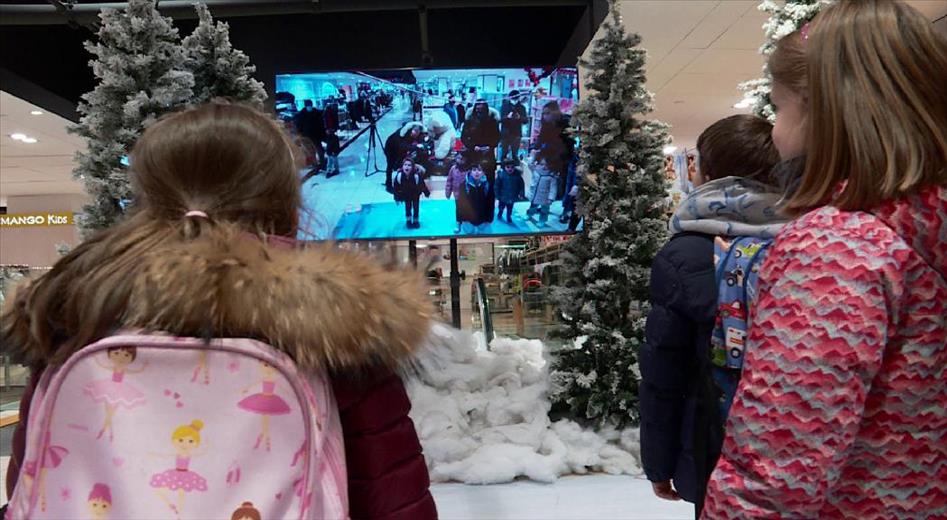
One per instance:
(698, 52)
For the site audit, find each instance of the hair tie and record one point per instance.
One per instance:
(804, 32)
(196, 213)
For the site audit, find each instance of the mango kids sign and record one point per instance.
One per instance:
(44, 219)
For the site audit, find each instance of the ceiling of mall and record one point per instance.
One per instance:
(698, 51)
(40, 168)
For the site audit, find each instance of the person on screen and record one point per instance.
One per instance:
(481, 135)
(451, 109)
(510, 188)
(461, 115)
(333, 147)
(542, 191)
(514, 116)
(475, 204)
(310, 124)
(409, 185)
(398, 145)
(554, 140)
(456, 178)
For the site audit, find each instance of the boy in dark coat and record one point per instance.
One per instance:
(509, 189)
(474, 203)
(681, 427)
(408, 186)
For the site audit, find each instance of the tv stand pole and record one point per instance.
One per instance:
(454, 284)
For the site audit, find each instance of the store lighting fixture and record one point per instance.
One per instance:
(36, 112)
(23, 138)
(744, 103)
(669, 149)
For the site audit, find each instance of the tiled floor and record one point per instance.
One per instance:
(591, 496)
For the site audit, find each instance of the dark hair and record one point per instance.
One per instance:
(409, 159)
(514, 93)
(509, 162)
(738, 146)
(307, 103)
(131, 350)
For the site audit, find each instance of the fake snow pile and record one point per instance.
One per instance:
(482, 416)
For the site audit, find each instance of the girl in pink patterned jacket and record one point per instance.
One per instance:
(842, 407)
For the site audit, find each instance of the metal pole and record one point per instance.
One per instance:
(454, 284)
(413, 253)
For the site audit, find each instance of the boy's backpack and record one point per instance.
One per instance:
(737, 264)
(156, 426)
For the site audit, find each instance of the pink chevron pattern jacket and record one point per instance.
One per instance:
(842, 407)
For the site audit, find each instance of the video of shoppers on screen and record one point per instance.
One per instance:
(434, 153)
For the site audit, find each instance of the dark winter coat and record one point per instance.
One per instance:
(681, 432)
(512, 126)
(510, 188)
(387, 475)
(310, 123)
(451, 111)
(475, 203)
(399, 144)
(331, 117)
(481, 131)
(410, 187)
(461, 115)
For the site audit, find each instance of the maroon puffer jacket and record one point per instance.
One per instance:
(388, 478)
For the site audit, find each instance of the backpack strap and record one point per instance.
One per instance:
(757, 257)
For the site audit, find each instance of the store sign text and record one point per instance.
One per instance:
(36, 220)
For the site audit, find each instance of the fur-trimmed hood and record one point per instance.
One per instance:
(324, 307)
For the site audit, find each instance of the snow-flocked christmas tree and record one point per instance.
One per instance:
(219, 70)
(144, 70)
(785, 17)
(138, 67)
(606, 268)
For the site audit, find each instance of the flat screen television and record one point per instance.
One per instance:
(409, 154)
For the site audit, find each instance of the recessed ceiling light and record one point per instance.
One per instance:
(36, 112)
(668, 150)
(29, 140)
(18, 136)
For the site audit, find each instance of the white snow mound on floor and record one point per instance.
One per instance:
(482, 416)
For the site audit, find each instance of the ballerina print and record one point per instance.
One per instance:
(180, 479)
(100, 501)
(265, 403)
(115, 392)
(51, 460)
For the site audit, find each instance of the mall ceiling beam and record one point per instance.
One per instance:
(85, 13)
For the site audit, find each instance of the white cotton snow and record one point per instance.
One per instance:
(482, 416)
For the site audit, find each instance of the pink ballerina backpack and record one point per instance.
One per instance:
(155, 426)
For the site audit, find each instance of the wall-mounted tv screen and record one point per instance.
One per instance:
(405, 154)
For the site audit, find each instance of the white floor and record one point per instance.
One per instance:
(599, 497)
(596, 497)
